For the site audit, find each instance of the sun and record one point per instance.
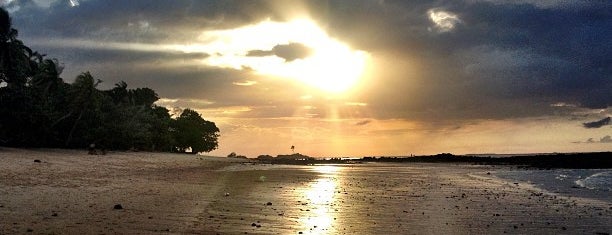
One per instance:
(330, 65)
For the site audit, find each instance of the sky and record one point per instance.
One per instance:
(352, 77)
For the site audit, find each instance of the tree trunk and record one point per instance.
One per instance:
(73, 128)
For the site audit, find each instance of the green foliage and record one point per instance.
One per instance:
(191, 131)
(38, 109)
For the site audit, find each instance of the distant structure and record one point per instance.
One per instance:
(294, 157)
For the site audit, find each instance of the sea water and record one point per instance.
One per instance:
(598, 181)
(586, 183)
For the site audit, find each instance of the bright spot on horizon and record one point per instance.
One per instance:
(331, 65)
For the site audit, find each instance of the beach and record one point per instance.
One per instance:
(70, 192)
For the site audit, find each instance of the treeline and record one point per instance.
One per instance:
(560, 160)
(39, 109)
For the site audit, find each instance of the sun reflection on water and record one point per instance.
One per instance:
(321, 195)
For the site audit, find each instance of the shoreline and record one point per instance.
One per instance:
(381, 198)
(70, 191)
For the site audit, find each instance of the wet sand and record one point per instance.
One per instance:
(399, 199)
(70, 192)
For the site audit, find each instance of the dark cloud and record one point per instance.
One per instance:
(289, 52)
(292, 51)
(363, 123)
(603, 140)
(122, 56)
(504, 60)
(260, 53)
(141, 21)
(597, 124)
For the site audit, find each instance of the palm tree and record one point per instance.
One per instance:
(15, 63)
(5, 25)
(47, 76)
(83, 93)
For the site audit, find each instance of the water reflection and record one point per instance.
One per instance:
(319, 217)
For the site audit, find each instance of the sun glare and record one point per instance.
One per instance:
(331, 65)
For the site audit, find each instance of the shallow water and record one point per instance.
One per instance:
(583, 183)
(391, 199)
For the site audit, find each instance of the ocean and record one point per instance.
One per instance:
(581, 183)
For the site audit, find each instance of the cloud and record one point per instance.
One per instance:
(501, 59)
(245, 83)
(603, 140)
(444, 21)
(363, 123)
(289, 52)
(546, 4)
(597, 124)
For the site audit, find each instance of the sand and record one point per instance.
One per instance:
(400, 199)
(70, 192)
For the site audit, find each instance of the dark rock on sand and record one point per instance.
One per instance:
(118, 207)
(37, 161)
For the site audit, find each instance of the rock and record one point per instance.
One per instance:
(253, 224)
(226, 194)
(54, 214)
(268, 204)
(118, 207)
(30, 230)
(37, 161)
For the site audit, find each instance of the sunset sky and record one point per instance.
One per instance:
(354, 77)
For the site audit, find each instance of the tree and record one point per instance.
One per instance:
(38, 109)
(162, 139)
(15, 63)
(192, 131)
(85, 101)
